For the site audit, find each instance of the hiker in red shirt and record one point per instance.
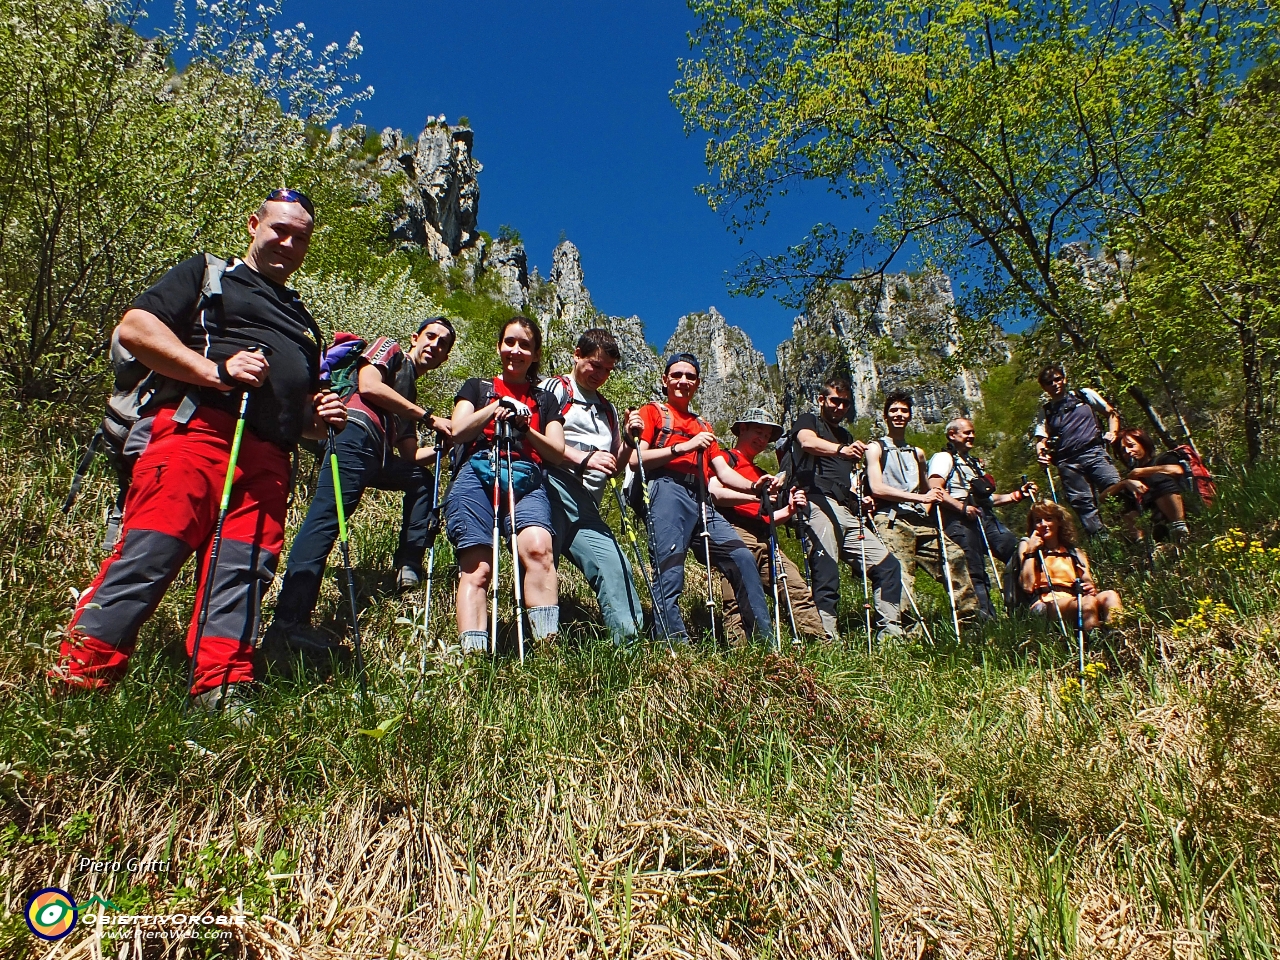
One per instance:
(755, 432)
(680, 453)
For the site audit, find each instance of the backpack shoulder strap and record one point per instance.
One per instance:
(667, 429)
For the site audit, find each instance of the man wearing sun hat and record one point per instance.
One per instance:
(756, 431)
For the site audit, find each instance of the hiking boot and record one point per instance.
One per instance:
(408, 578)
(284, 642)
(230, 701)
(889, 635)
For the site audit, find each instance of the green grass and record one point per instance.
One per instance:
(968, 798)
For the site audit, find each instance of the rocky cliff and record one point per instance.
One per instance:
(735, 375)
(440, 196)
(901, 334)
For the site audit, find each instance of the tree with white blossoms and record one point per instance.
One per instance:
(113, 166)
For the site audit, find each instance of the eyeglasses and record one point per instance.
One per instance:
(285, 195)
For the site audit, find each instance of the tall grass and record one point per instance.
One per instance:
(978, 798)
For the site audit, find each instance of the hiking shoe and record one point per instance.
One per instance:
(230, 701)
(408, 578)
(889, 635)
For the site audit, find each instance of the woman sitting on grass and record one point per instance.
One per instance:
(515, 399)
(1154, 484)
(1050, 564)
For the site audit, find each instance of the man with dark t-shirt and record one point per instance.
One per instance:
(1068, 437)
(825, 458)
(384, 414)
(258, 339)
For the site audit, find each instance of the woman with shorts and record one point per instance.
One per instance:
(512, 398)
(1050, 564)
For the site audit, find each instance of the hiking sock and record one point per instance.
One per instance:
(1179, 530)
(474, 641)
(544, 621)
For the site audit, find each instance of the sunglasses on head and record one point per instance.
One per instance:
(285, 195)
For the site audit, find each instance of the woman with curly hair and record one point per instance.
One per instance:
(1050, 563)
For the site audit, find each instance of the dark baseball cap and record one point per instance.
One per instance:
(688, 358)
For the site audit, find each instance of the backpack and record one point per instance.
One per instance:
(137, 390)
(1200, 479)
(340, 365)
(610, 412)
(631, 485)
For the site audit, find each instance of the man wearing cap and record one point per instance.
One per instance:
(384, 414)
(256, 341)
(680, 453)
(756, 431)
(837, 527)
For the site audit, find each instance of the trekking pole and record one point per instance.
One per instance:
(497, 557)
(766, 505)
(782, 575)
(1053, 595)
(344, 545)
(431, 554)
(946, 569)
(910, 593)
(866, 586)
(1052, 489)
(515, 546)
(629, 530)
(706, 541)
(1078, 589)
(658, 615)
(216, 548)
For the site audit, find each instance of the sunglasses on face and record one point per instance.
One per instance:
(285, 195)
(681, 375)
(837, 401)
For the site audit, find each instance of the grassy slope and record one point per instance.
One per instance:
(956, 800)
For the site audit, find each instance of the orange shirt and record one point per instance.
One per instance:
(683, 427)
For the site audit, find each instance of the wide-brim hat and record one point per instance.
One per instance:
(760, 417)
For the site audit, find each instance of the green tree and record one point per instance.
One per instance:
(113, 166)
(1206, 284)
(983, 134)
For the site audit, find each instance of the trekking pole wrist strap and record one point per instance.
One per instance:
(224, 375)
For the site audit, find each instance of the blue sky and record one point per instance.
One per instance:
(569, 103)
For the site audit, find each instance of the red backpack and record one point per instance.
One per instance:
(1201, 478)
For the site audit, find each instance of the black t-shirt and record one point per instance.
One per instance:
(255, 312)
(480, 393)
(828, 475)
(1162, 484)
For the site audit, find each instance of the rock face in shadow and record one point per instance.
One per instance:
(440, 198)
(735, 375)
(901, 334)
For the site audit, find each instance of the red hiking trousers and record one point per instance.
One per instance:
(170, 513)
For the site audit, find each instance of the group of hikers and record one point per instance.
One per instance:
(238, 374)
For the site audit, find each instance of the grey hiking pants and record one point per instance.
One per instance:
(836, 535)
(583, 536)
(1082, 473)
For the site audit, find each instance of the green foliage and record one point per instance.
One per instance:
(114, 167)
(987, 136)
